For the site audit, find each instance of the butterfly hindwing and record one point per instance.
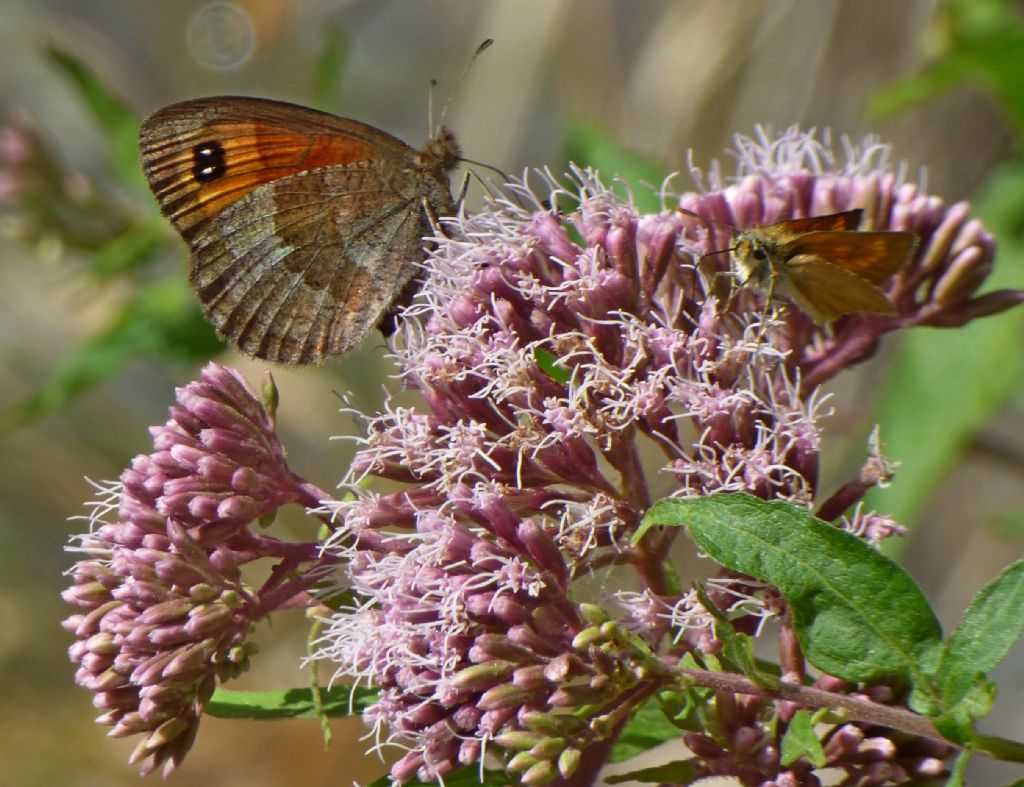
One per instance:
(281, 260)
(827, 292)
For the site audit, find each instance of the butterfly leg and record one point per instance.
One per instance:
(769, 296)
(464, 187)
(432, 218)
(733, 288)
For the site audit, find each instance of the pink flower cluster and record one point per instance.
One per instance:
(575, 366)
(574, 361)
(164, 614)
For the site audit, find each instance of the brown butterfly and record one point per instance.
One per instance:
(823, 264)
(304, 227)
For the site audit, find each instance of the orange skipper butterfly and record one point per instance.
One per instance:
(823, 264)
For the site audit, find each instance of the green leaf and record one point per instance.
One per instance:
(329, 67)
(649, 727)
(548, 364)
(289, 703)
(858, 615)
(991, 625)
(737, 648)
(315, 689)
(957, 723)
(162, 322)
(995, 61)
(998, 748)
(977, 43)
(129, 250)
(591, 146)
(115, 117)
(800, 740)
(673, 582)
(931, 81)
(944, 385)
(687, 709)
(677, 772)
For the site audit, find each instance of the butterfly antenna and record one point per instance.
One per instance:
(430, 108)
(708, 219)
(720, 251)
(444, 110)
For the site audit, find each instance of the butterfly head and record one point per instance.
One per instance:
(442, 151)
(754, 256)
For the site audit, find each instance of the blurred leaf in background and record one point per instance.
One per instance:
(118, 236)
(328, 68)
(589, 145)
(973, 42)
(159, 321)
(944, 386)
(112, 114)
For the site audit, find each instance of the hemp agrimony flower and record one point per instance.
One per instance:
(576, 363)
(165, 614)
(573, 361)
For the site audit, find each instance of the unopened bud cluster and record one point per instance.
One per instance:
(165, 615)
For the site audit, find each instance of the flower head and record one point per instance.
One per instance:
(796, 175)
(575, 364)
(576, 360)
(164, 613)
(160, 626)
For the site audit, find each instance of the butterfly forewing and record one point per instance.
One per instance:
(200, 156)
(846, 221)
(874, 256)
(304, 227)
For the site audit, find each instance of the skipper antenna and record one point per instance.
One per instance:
(708, 219)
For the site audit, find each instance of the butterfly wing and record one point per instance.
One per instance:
(827, 292)
(303, 268)
(303, 226)
(832, 222)
(874, 256)
(202, 155)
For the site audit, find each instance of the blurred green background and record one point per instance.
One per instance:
(97, 326)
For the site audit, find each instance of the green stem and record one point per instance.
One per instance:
(1000, 748)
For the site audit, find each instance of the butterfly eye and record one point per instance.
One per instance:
(759, 254)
